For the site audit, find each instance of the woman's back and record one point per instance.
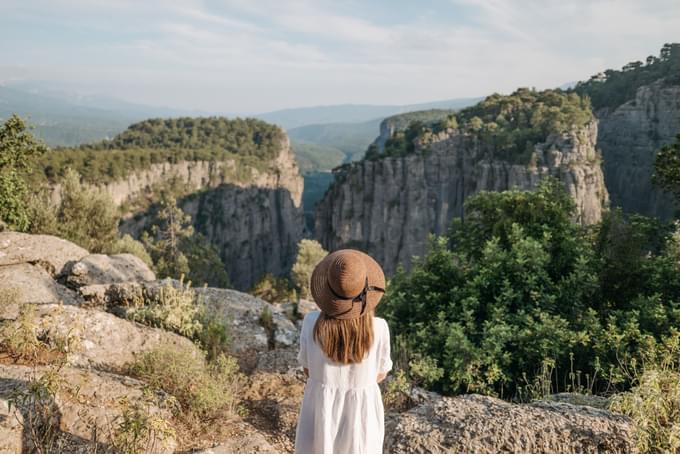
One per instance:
(342, 410)
(358, 375)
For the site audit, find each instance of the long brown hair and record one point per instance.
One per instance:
(345, 341)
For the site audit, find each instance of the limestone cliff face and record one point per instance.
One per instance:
(253, 215)
(390, 205)
(629, 138)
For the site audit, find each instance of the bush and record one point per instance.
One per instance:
(517, 286)
(274, 290)
(170, 308)
(17, 149)
(177, 309)
(203, 390)
(310, 253)
(23, 341)
(654, 402)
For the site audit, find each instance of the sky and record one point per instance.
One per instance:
(249, 56)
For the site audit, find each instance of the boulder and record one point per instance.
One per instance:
(244, 313)
(11, 429)
(281, 360)
(273, 401)
(102, 340)
(97, 269)
(246, 443)
(88, 402)
(479, 424)
(30, 284)
(49, 251)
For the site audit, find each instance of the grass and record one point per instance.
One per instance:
(653, 403)
(22, 342)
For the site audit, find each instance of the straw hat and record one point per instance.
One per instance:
(347, 283)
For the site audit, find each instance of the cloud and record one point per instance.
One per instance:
(266, 54)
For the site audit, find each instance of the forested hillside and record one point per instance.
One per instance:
(171, 140)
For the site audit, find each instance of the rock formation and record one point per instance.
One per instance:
(95, 392)
(251, 214)
(388, 206)
(630, 135)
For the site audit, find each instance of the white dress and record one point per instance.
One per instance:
(342, 410)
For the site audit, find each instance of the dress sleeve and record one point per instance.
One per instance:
(384, 359)
(302, 353)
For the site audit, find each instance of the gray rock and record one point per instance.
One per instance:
(484, 425)
(49, 251)
(243, 444)
(98, 269)
(31, 284)
(388, 207)
(629, 137)
(244, 312)
(90, 401)
(102, 340)
(11, 429)
(305, 306)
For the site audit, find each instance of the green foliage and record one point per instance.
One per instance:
(310, 253)
(177, 308)
(203, 390)
(397, 391)
(313, 157)
(667, 168)
(274, 289)
(138, 429)
(247, 141)
(172, 308)
(654, 402)
(178, 251)
(17, 149)
(612, 88)
(508, 125)
(518, 293)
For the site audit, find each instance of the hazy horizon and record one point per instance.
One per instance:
(235, 56)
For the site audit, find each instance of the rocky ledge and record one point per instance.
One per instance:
(81, 300)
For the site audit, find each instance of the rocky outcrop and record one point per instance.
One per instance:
(11, 429)
(389, 206)
(98, 269)
(484, 425)
(253, 217)
(89, 404)
(630, 135)
(94, 337)
(50, 252)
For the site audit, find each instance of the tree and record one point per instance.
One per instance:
(310, 253)
(163, 239)
(86, 215)
(177, 250)
(17, 147)
(667, 168)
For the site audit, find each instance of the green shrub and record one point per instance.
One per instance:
(138, 429)
(178, 309)
(203, 390)
(517, 285)
(274, 289)
(17, 149)
(654, 401)
(397, 391)
(310, 253)
(172, 308)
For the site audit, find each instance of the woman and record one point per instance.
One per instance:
(345, 353)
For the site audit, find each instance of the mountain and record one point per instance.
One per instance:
(65, 119)
(352, 113)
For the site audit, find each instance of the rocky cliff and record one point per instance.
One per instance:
(388, 206)
(630, 135)
(251, 213)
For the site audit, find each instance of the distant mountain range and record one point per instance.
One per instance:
(353, 113)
